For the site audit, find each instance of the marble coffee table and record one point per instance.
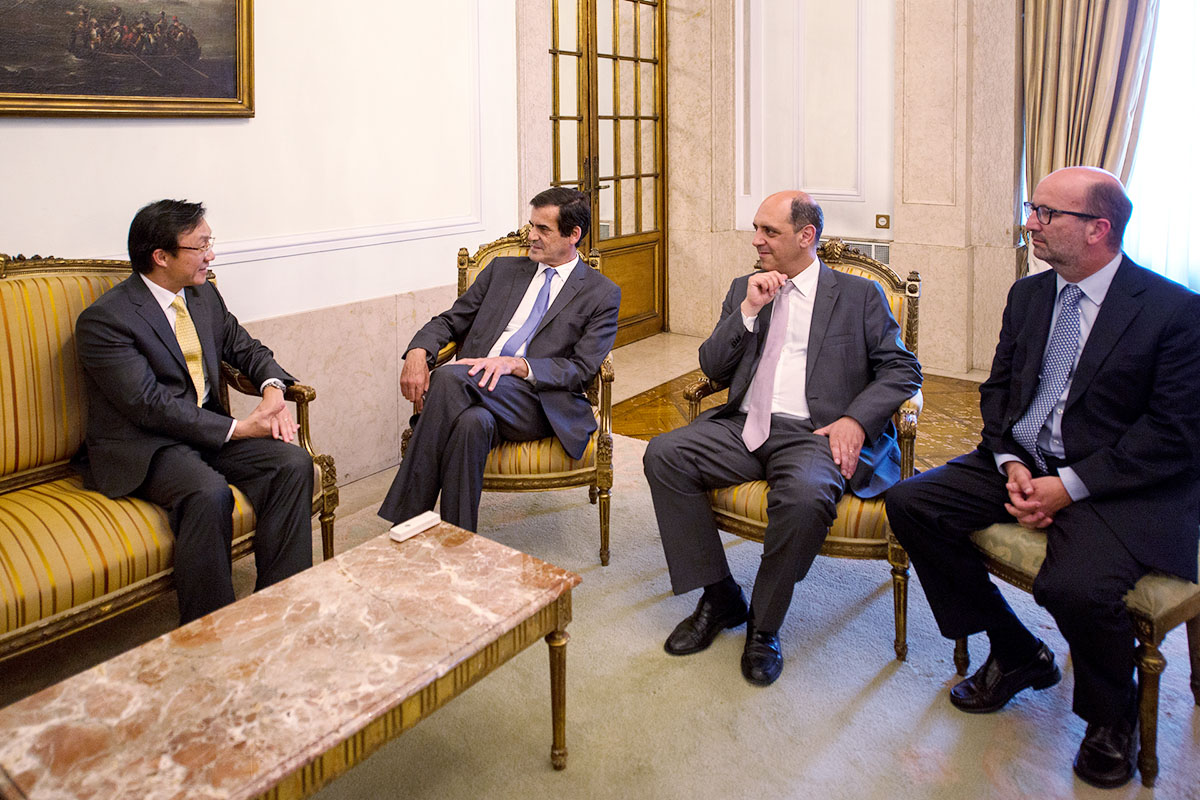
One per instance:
(279, 693)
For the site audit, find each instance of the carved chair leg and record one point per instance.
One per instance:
(899, 561)
(558, 696)
(605, 498)
(327, 535)
(1193, 634)
(1150, 664)
(962, 656)
(592, 494)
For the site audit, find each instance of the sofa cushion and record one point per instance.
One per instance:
(61, 546)
(543, 458)
(1024, 550)
(856, 518)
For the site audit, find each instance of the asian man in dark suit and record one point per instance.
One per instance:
(1091, 432)
(532, 333)
(151, 349)
(810, 411)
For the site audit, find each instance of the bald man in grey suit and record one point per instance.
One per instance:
(824, 425)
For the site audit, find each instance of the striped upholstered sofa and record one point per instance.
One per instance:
(69, 557)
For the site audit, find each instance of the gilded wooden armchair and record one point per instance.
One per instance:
(861, 528)
(543, 463)
(1157, 604)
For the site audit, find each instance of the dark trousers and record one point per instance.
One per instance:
(1082, 582)
(193, 487)
(682, 465)
(460, 424)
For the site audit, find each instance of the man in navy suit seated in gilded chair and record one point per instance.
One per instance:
(1091, 432)
(532, 333)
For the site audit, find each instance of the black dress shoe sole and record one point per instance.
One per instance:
(1104, 781)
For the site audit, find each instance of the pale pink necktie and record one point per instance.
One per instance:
(762, 389)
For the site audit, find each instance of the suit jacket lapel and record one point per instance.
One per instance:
(516, 290)
(198, 310)
(1121, 305)
(149, 310)
(570, 288)
(1041, 309)
(826, 297)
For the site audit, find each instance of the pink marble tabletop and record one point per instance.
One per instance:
(229, 705)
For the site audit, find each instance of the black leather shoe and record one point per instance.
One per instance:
(1105, 757)
(762, 660)
(991, 688)
(698, 631)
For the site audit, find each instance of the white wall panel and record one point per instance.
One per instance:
(815, 108)
(384, 138)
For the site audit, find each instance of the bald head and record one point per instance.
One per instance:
(1087, 211)
(1098, 192)
(787, 228)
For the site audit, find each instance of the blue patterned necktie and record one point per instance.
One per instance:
(1056, 369)
(540, 305)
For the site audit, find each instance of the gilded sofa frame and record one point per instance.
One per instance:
(98, 609)
(839, 256)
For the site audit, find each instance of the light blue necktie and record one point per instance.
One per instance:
(535, 317)
(1056, 369)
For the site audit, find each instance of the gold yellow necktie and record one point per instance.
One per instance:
(189, 343)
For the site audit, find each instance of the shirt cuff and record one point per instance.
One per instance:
(232, 427)
(278, 384)
(1004, 458)
(528, 369)
(1073, 484)
(749, 322)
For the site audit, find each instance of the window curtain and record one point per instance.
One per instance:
(1086, 68)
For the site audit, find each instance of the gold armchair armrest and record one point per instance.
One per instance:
(699, 390)
(445, 354)
(298, 393)
(906, 426)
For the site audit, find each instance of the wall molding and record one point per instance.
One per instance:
(309, 243)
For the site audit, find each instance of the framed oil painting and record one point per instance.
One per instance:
(139, 58)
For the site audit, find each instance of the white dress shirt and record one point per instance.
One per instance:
(790, 394)
(1095, 289)
(519, 316)
(164, 298)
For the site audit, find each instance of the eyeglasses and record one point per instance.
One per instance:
(1046, 213)
(204, 248)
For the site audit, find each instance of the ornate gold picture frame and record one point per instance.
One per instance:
(135, 58)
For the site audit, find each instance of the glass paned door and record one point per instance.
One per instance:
(607, 122)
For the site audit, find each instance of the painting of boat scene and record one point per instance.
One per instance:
(138, 56)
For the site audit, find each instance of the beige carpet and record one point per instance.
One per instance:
(845, 720)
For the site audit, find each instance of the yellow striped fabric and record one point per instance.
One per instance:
(42, 404)
(896, 300)
(61, 545)
(856, 518)
(544, 458)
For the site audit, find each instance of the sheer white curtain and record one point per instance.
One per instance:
(1164, 232)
